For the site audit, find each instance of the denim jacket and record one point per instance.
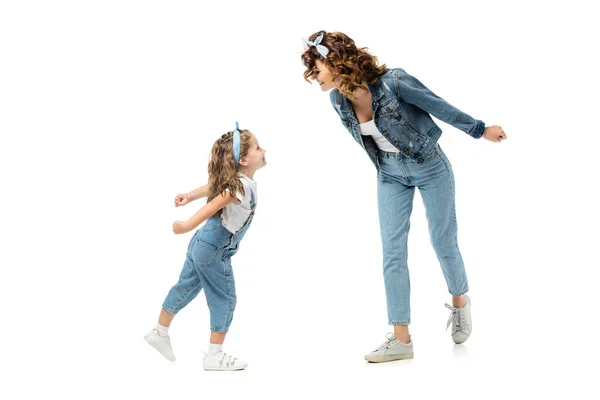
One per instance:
(401, 108)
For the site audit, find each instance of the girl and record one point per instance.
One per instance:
(387, 112)
(228, 213)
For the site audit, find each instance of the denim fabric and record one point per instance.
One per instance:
(208, 266)
(401, 111)
(397, 178)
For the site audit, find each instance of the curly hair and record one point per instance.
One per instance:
(222, 172)
(349, 65)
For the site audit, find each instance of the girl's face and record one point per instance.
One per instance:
(323, 76)
(256, 156)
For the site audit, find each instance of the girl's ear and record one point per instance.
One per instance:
(243, 161)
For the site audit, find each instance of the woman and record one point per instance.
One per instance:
(387, 111)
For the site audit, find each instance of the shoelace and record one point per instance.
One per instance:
(388, 343)
(457, 318)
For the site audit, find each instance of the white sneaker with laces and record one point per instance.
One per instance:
(460, 318)
(221, 361)
(160, 343)
(392, 349)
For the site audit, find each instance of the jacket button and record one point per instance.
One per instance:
(395, 143)
(420, 161)
(388, 110)
(406, 151)
(385, 133)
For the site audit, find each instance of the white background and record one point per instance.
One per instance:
(108, 109)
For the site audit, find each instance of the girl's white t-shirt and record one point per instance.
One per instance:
(236, 213)
(370, 129)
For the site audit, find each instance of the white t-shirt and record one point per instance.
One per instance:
(370, 129)
(236, 213)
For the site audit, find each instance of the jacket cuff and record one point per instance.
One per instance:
(477, 130)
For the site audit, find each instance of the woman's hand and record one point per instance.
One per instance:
(180, 227)
(494, 133)
(181, 199)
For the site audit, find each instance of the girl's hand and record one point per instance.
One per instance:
(181, 199)
(180, 227)
(494, 133)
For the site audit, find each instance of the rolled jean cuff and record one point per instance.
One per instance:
(170, 309)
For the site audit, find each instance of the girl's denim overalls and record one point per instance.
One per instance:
(208, 266)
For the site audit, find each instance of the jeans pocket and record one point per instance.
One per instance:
(204, 254)
(442, 157)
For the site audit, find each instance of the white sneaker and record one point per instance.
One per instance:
(461, 322)
(160, 343)
(222, 362)
(392, 349)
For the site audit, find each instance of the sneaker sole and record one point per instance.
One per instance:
(157, 349)
(375, 359)
(461, 342)
(225, 369)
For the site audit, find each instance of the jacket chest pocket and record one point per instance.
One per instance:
(391, 112)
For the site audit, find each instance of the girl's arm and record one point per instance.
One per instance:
(207, 211)
(185, 198)
(199, 193)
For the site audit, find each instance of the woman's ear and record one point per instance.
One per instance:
(243, 161)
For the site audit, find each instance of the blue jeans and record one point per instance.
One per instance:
(396, 181)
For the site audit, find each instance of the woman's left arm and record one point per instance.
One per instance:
(412, 91)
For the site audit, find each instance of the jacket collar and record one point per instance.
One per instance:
(376, 93)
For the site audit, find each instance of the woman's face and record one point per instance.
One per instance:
(322, 75)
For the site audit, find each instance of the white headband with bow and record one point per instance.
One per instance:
(320, 48)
